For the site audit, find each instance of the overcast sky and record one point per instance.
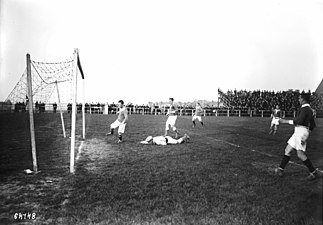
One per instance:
(144, 51)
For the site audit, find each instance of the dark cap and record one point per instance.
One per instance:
(306, 96)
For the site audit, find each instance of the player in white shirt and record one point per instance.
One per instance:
(172, 117)
(275, 115)
(165, 140)
(120, 122)
(197, 115)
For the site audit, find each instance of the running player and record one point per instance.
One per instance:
(197, 114)
(165, 140)
(275, 115)
(172, 117)
(120, 122)
(304, 123)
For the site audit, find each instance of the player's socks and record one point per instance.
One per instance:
(202, 124)
(120, 138)
(111, 132)
(194, 124)
(309, 165)
(284, 161)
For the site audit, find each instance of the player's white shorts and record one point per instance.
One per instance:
(171, 120)
(199, 118)
(161, 140)
(122, 126)
(299, 138)
(275, 121)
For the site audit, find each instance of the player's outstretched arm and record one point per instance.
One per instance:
(284, 121)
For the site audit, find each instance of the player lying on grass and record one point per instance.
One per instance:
(165, 140)
(304, 123)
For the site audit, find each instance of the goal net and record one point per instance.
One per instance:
(44, 83)
(46, 77)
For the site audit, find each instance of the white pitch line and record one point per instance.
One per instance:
(79, 151)
(250, 149)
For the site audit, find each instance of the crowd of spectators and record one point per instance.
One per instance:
(40, 107)
(266, 100)
(237, 100)
(20, 107)
(89, 107)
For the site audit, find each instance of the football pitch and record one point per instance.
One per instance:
(224, 175)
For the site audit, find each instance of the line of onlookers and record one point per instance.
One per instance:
(266, 100)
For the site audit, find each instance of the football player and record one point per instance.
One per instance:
(165, 140)
(197, 115)
(172, 117)
(275, 115)
(120, 122)
(304, 123)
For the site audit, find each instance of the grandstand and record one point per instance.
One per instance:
(266, 100)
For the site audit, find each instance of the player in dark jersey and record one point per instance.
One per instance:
(304, 123)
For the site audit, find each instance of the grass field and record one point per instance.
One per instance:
(223, 176)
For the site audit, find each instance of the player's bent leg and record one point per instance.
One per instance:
(307, 162)
(270, 130)
(111, 131)
(167, 129)
(288, 149)
(284, 161)
(301, 155)
(113, 126)
(275, 130)
(176, 133)
(122, 128)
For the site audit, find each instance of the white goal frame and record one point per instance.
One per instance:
(76, 67)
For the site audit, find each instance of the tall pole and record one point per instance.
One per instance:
(74, 91)
(31, 114)
(60, 110)
(83, 109)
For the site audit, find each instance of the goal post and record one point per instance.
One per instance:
(31, 114)
(74, 92)
(38, 83)
(76, 67)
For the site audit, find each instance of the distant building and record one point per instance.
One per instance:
(319, 89)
